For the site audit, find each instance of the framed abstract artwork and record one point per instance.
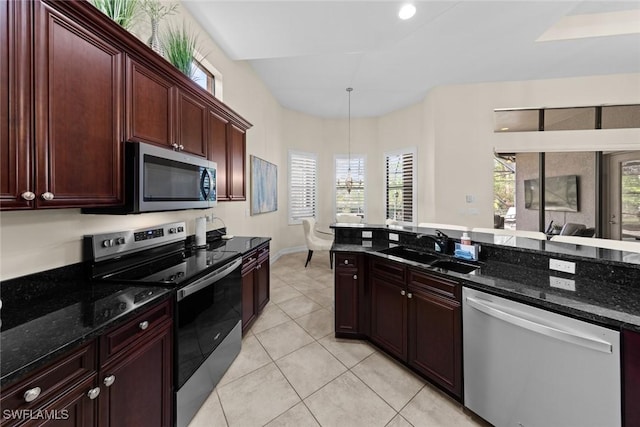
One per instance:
(264, 186)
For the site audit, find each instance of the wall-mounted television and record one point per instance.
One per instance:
(560, 193)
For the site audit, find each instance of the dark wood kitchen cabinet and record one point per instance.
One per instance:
(349, 280)
(136, 373)
(73, 157)
(227, 147)
(435, 329)
(631, 378)
(66, 389)
(160, 112)
(255, 284)
(389, 307)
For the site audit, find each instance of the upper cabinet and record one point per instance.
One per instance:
(159, 112)
(67, 154)
(73, 86)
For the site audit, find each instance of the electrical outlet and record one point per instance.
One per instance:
(394, 237)
(367, 244)
(560, 283)
(367, 234)
(564, 266)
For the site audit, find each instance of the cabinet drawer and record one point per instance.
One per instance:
(263, 253)
(249, 261)
(142, 326)
(346, 260)
(389, 270)
(52, 380)
(436, 285)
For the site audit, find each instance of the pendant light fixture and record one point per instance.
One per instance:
(349, 180)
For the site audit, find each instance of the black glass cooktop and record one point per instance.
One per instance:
(174, 269)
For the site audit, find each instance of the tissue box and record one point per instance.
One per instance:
(468, 252)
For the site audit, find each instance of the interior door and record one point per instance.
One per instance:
(623, 183)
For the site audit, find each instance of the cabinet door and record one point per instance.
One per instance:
(192, 125)
(78, 114)
(262, 282)
(15, 106)
(389, 316)
(75, 408)
(217, 151)
(150, 105)
(236, 174)
(137, 387)
(347, 282)
(435, 338)
(631, 375)
(249, 309)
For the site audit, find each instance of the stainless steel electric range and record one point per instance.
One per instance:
(208, 300)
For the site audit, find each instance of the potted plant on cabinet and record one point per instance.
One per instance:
(122, 12)
(179, 45)
(156, 12)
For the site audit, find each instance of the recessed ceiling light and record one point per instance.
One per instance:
(407, 11)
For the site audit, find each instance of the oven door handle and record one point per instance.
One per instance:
(208, 280)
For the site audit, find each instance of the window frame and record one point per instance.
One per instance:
(413, 151)
(309, 156)
(363, 158)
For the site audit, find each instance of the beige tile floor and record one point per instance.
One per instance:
(291, 370)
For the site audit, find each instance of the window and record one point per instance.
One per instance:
(303, 185)
(203, 77)
(350, 202)
(400, 185)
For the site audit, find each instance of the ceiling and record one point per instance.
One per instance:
(308, 52)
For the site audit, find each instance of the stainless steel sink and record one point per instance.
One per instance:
(458, 267)
(410, 254)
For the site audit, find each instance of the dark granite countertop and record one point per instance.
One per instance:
(608, 304)
(47, 314)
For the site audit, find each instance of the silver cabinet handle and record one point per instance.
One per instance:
(175, 146)
(181, 147)
(28, 195)
(355, 277)
(346, 261)
(93, 393)
(409, 295)
(108, 381)
(47, 196)
(32, 394)
(403, 293)
(143, 325)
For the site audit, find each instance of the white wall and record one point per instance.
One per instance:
(452, 129)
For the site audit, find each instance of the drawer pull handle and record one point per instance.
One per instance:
(108, 381)
(28, 195)
(409, 295)
(47, 196)
(143, 325)
(355, 277)
(403, 293)
(93, 393)
(346, 261)
(32, 394)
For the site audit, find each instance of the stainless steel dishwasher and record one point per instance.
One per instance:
(528, 367)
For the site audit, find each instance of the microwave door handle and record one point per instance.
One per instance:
(208, 280)
(206, 194)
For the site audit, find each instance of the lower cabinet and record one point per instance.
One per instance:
(348, 283)
(255, 284)
(631, 378)
(435, 329)
(123, 378)
(414, 316)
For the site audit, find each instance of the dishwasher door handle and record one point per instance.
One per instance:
(499, 312)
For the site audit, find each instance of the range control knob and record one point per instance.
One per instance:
(107, 243)
(180, 229)
(172, 231)
(120, 241)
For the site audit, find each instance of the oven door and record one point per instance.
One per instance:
(209, 336)
(171, 180)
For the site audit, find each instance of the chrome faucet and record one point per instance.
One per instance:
(441, 240)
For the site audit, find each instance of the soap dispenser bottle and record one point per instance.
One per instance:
(465, 239)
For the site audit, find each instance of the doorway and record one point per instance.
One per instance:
(622, 182)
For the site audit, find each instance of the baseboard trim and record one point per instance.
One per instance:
(286, 251)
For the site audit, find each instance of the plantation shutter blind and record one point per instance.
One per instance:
(400, 183)
(303, 178)
(353, 202)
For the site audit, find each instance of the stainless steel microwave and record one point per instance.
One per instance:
(159, 179)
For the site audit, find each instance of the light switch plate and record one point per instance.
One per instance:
(367, 234)
(394, 237)
(564, 266)
(367, 244)
(561, 283)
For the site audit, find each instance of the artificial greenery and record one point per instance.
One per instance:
(123, 12)
(157, 10)
(179, 46)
